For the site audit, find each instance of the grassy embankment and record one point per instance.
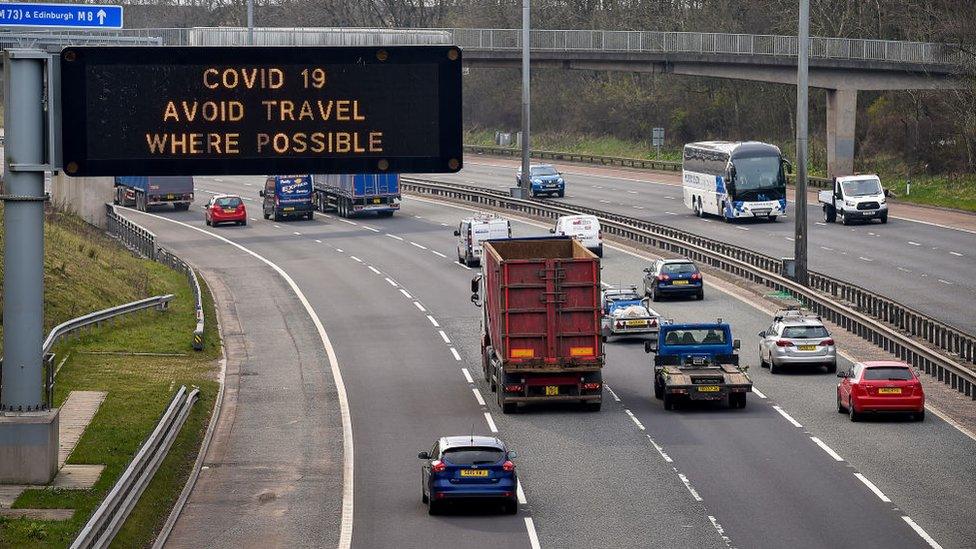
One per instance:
(951, 191)
(86, 271)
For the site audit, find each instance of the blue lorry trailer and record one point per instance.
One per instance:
(354, 194)
(144, 192)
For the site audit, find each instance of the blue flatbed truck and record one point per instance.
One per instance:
(144, 192)
(695, 362)
(353, 194)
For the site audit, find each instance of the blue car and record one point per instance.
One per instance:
(673, 277)
(468, 468)
(545, 180)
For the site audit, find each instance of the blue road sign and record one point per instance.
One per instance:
(76, 16)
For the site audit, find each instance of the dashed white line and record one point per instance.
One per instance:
(444, 337)
(631, 192)
(254, 219)
(634, 418)
(433, 321)
(375, 270)
(690, 488)
(371, 229)
(670, 198)
(406, 294)
(276, 226)
(670, 213)
(946, 282)
(419, 306)
(914, 243)
(758, 393)
(788, 417)
(457, 357)
(604, 284)
(820, 223)
(957, 254)
(491, 422)
(862, 258)
(519, 493)
(391, 282)
(347, 221)
(478, 397)
(873, 488)
(904, 270)
(613, 394)
(826, 248)
(467, 374)
(296, 233)
(317, 241)
(660, 450)
(922, 533)
(463, 266)
(356, 259)
(533, 537)
(823, 446)
(790, 238)
(604, 202)
(435, 252)
(339, 250)
(422, 247)
(743, 228)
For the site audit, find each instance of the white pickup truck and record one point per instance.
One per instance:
(855, 197)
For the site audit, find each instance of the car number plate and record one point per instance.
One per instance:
(229, 210)
(637, 323)
(807, 347)
(474, 472)
(889, 391)
(377, 200)
(680, 282)
(552, 390)
(288, 209)
(708, 389)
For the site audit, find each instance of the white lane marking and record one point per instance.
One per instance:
(957, 254)
(826, 248)
(904, 270)
(862, 258)
(443, 224)
(873, 488)
(248, 199)
(690, 488)
(820, 223)
(371, 229)
(211, 192)
(317, 241)
(790, 238)
(478, 397)
(219, 180)
(706, 220)
(457, 357)
(613, 394)
(670, 198)
(433, 321)
(604, 284)
(347, 221)
(391, 282)
(670, 213)
(921, 533)
(254, 219)
(345, 527)
(462, 265)
(660, 450)
(946, 282)
(631, 192)
(419, 306)
(356, 259)
(406, 294)
(758, 393)
(823, 446)
(435, 252)
(375, 270)
(634, 418)
(467, 374)
(327, 216)
(743, 228)
(914, 243)
(422, 247)
(720, 530)
(444, 337)
(604, 202)
(533, 537)
(418, 217)
(491, 422)
(520, 493)
(787, 416)
(339, 250)
(277, 226)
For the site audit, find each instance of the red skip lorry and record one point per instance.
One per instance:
(540, 331)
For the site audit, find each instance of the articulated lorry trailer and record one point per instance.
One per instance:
(352, 194)
(540, 330)
(144, 192)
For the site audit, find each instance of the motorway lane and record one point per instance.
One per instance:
(923, 266)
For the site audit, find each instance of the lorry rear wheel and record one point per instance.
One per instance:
(668, 402)
(509, 407)
(658, 390)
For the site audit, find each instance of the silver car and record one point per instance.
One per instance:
(796, 338)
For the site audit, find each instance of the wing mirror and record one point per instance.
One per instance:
(650, 346)
(788, 165)
(512, 454)
(762, 333)
(841, 374)
(261, 194)
(424, 455)
(457, 233)
(553, 231)
(736, 344)
(887, 193)
(647, 270)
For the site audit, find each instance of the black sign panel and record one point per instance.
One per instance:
(262, 110)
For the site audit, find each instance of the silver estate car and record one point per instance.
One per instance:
(796, 338)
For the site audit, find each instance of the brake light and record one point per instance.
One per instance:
(513, 388)
(653, 322)
(599, 234)
(591, 386)
(784, 343)
(827, 342)
(619, 324)
(508, 466)
(663, 277)
(438, 467)
(696, 276)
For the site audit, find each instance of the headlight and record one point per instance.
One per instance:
(882, 200)
(537, 181)
(848, 203)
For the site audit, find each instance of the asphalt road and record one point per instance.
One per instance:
(632, 475)
(923, 266)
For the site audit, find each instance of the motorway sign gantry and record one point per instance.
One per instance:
(76, 16)
(261, 110)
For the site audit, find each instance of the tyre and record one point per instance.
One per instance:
(762, 361)
(511, 507)
(654, 296)
(592, 406)
(773, 368)
(832, 368)
(853, 414)
(484, 365)
(509, 407)
(266, 215)
(700, 295)
(658, 390)
(423, 497)
(277, 216)
(919, 416)
(742, 401)
(695, 209)
(829, 214)
(561, 194)
(207, 221)
(843, 219)
(310, 215)
(469, 262)
(599, 251)
(840, 407)
(884, 220)
(244, 223)
(386, 214)
(668, 401)
(433, 508)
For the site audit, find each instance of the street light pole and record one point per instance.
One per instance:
(250, 22)
(525, 184)
(802, 70)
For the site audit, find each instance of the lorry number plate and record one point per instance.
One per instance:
(377, 201)
(552, 390)
(708, 389)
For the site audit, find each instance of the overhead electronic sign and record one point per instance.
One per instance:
(261, 110)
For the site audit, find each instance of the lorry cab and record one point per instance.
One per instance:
(585, 228)
(287, 196)
(472, 231)
(855, 197)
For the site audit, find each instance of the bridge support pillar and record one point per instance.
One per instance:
(841, 120)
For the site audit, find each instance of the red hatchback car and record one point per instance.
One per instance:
(225, 208)
(880, 386)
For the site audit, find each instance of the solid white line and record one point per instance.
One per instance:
(872, 487)
(419, 306)
(435, 252)
(720, 530)
(533, 537)
(418, 245)
(375, 270)
(519, 493)
(467, 374)
(787, 416)
(478, 397)
(823, 446)
(433, 321)
(636, 421)
(406, 294)
(457, 357)
(758, 392)
(660, 450)
(356, 259)
(491, 422)
(444, 337)
(395, 236)
(345, 527)
(371, 229)
(347, 221)
(687, 483)
(922, 533)
(613, 394)
(391, 282)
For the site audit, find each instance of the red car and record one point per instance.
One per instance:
(225, 208)
(880, 386)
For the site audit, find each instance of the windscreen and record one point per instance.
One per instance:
(473, 456)
(804, 332)
(862, 187)
(229, 202)
(679, 268)
(544, 170)
(886, 373)
(695, 336)
(758, 173)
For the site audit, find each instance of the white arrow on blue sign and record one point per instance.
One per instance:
(76, 16)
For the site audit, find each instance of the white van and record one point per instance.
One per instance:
(473, 230)
(585, 228)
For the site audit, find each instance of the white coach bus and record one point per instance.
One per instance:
(734, 180)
